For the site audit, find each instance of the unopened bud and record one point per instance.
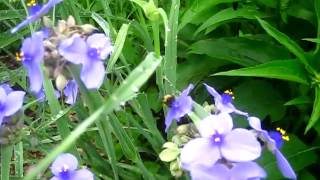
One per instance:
(61, 82)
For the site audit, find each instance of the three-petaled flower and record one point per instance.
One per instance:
(179, 107)
(10, 102)
(31, 55)
(35, 12)
(219, 141)
(273, 142)
(65, 168)
(223, 103)
(89, 53)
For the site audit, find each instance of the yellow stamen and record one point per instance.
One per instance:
(19, 56)
(283, 133)
(31, 3)
(229, 92)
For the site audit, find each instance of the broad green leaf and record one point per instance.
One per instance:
(299, 100)
(6, 154)
(229, 14)
(259, 98)
(292, 46)
(240, 50)
(316, 110)
(197, 7)
(290, 70)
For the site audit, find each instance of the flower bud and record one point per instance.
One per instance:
(61, 82)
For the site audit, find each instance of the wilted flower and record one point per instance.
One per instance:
(31, 55)
(274, 141)
(65, 168)
(35, 12)
(219, 171)
(71, 91)
(89, 53)
(218, 140)
(179, 107)
(10, 102)
(223, 102)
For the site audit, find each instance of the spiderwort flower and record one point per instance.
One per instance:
(223, 102)
(31, 55)
(89, 53)
(35, 12)
(274, 141)
(179, 107)
(10, 102)
(71, 91)
(65, 168)
(218, 140)
(219, 171)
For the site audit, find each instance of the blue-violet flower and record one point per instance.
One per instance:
(65, 168)
(89, 53)
(71, 91)
(31, 55)
(273, 143)
(179, 107)
(10, 102)
(223, 103)
(218, 140)
(219, 171)
(35, 12)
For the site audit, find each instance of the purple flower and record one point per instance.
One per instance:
(218, 140)
(31, 55)
(273, 142)
(89, 53)
(65, 168)
(223, 103)
(10, 102)
(71, 91)
(35, 12)
(179, 107)
(239, 171)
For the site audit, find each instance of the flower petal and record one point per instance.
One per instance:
(169, 117)
(35, 76)
(284, 165)
(199, 151)
(33, 48)
(82, 174)
(214, 93)
(71, 91)
(247, 170)
(92, 74)
(6, 87)
(222, 123)
(240, 145)
(3, 96)
(74, 49)
(255, 123)
(102, 42)
(216, 172)
(63, 161)
(14, 102)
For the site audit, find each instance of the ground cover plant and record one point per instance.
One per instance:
(179, 89)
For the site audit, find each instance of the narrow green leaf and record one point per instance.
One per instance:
(290, 70)
(118, 45)
(228, 14)
(6, 154)
(292, 46)
(316, 110)
(124, 93)
(102, 23)
(317, 9)
(299, 100)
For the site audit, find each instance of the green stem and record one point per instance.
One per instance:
(6, 154)
(156, 38)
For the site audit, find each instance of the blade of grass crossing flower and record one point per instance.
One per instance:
(102, 23)
(6, 154)
(122, 94)
(292, 46)
(118, 46)
(315, 112)
(170, 58)
(55, 108)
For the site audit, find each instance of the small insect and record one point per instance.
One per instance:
(168, 99)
